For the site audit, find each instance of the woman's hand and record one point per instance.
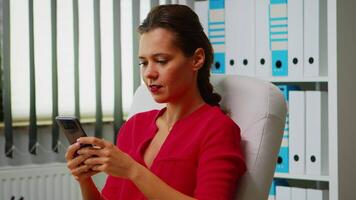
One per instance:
(107, 158)
(75, 163)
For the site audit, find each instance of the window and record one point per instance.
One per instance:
(86, 57)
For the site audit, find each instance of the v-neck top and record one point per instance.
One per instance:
(201, 156)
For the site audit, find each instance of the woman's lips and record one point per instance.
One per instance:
(154, 88)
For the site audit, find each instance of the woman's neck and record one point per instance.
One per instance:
(184, 105)
(181, 109)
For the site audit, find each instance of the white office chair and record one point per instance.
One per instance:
(259, 108)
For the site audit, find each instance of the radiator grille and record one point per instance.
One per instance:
(38, 182)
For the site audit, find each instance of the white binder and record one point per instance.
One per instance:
(231, 36)
(298, 193)
(283, 193)
(313, 194)
(201, 9)
(297, 132)
(295, 38)
(315, 49)
(316, 133)
(263, 53)
(245, 25)
(240, 37)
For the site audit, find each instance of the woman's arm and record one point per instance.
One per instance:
(112, 161)
(89, 190)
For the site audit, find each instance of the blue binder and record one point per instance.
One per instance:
(278, 26)
(283, 155)
(272, 191)
(216, 34)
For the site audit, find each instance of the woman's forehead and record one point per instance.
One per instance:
(158, 40)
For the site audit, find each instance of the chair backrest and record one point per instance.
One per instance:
(259, 108)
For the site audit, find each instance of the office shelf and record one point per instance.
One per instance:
(280, 79)
(297, 80)
(302, 177)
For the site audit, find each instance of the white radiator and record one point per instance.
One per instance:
(38, 182)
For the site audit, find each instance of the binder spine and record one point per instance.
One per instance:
(295, 38)
(278, 29)
(283, 155)
(272, 191)
(263, 54)
(216, 34)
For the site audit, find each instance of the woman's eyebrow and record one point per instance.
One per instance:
(161, 54)
(154, 55)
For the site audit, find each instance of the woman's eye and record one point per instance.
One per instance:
(162, 61)
(142, 64)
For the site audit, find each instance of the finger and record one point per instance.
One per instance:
(91, 173)
(97, 168)
(80, 170)
(71, 151)
(86, 174)
(91, 152)
(106, 152)
(92, 140)
(74, 163)
(90, 147)
(95, 161)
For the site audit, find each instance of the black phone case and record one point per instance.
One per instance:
(71, 128)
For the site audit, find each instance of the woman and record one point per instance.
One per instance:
(188, 150)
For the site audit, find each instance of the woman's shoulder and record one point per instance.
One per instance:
(216, 114)
(211, 120)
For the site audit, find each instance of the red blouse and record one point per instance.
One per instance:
(201, 157)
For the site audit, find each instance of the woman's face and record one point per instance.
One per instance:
(166, 71)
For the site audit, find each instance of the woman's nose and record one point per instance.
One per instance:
(150, 72)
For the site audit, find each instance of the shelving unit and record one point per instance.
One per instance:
(341, 56)
(339, 82)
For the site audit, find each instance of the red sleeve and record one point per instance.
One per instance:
(221, 164)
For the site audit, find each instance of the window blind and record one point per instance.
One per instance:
(68, 57)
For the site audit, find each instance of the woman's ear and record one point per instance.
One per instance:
(198, 59)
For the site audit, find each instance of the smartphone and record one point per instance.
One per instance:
(71, 128)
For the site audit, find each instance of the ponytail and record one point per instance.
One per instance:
(206, 89)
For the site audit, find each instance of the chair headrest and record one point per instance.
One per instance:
(249, 99)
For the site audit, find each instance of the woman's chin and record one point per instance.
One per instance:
(159, 99)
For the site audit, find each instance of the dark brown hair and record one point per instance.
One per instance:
(189, 36)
